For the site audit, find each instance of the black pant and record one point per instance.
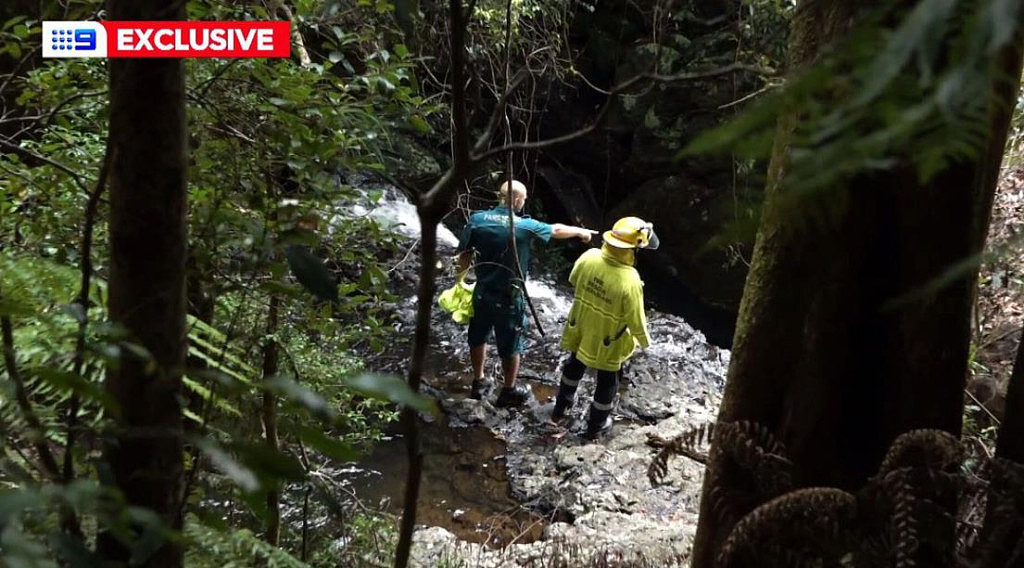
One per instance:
(604, 393)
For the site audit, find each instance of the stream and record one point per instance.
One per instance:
(505, 488)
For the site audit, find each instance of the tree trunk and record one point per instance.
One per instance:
(1003, 525)
(280, 9)
(147, 280)
(270, 364)
(818, 357)
(1010, 443)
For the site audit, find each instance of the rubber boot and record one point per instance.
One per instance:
(563, 402)
(599, 422)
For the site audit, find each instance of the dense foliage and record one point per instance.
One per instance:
(270, 143)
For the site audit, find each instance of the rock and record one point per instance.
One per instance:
(429, 545)
(413, 163)
(469, 411)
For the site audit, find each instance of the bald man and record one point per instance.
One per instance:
(499, 296)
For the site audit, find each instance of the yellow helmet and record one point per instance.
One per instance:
(632, 232)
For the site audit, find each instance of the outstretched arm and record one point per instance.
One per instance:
(560, 231)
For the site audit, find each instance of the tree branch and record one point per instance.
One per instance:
(492, 123)
(37, 435)
(17, 68)
(39, 157)
(85, 253)
(69, 100)
(602, 114)
(431, 209)
(460, 144)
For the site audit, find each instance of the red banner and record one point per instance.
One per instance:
(198, 39)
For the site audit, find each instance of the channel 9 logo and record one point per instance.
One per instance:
(74, 39)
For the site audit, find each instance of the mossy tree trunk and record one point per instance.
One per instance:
(147, 281)
(820, 356)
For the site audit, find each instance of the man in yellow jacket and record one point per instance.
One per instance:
(607, 320)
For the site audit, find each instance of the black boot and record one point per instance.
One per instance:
(512, 396)
(562, 406)
(599, 422)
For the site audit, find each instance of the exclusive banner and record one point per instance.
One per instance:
(267, 39)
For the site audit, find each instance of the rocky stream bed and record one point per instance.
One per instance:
(504, 488)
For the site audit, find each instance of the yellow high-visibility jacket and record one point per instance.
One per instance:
(458, 301)
(607, 320)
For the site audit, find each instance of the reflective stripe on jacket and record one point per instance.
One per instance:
(607, 319)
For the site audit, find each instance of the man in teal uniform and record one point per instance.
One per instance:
(499, 296)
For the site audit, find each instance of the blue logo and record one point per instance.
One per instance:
(64, 39)
(74, 39)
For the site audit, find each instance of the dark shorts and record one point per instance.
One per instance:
(506, 317)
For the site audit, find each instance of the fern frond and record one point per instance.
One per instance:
(933, 449)
(801, 528)
(691, 443)
(209, 547)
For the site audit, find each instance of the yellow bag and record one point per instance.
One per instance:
(458, 300)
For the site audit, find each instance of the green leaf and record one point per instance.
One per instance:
(419, 124)
(14, 307)
(9, 23)
(74, 552)
(190, 383)
(281, 288)
(922, 25)
(242, 475)
(1004, 16)
(373, 277)
(301, 395)
(67, 381)
(311, 273)
(326, 444)
(271, 465)
(391, 388)
(335, 56)
(15, 502)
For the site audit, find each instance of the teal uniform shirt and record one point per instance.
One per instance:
(497, 305)
(487, 234)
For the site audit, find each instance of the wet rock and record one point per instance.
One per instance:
(469, 411)
(602, 486)
(430, 544)
(596, 539)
